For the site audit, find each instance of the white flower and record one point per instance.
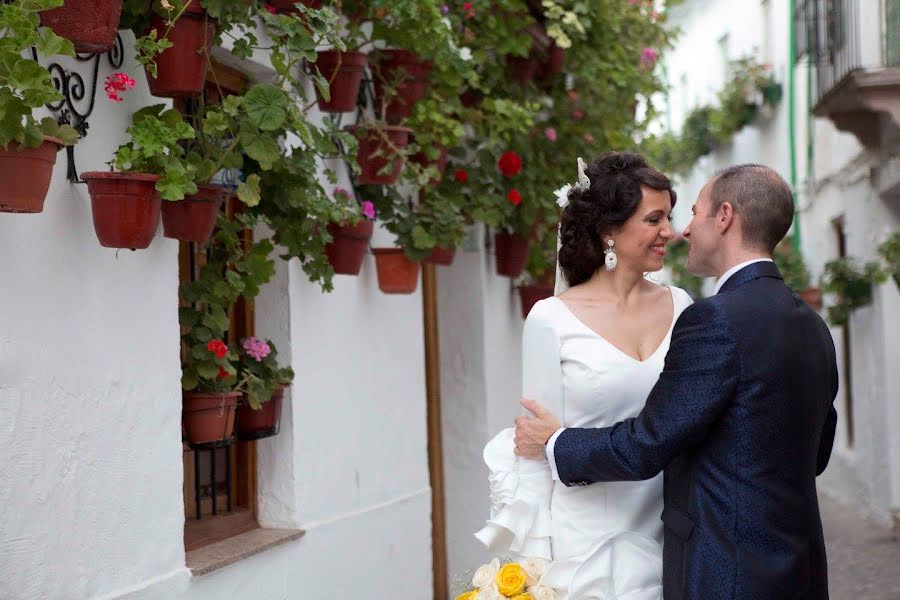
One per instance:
(486, 574)
(166, 5)
(534, 570)
(562, 195)
(465, 53)
(490, 592)
(543, 593)
(447, 23)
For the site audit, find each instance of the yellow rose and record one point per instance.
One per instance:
(468, 595)
(511, 580)
(525, 596)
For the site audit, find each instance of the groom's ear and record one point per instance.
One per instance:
(725, 217)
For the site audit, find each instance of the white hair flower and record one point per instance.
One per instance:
(562, 195)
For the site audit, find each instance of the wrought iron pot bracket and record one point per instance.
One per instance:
(77, 103)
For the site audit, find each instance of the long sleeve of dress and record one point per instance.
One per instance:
(521, 488)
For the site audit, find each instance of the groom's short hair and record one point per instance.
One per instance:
(761, 197)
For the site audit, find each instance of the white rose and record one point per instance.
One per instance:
(490, 592)
(534, 570)
(486, 574)
(543, 593)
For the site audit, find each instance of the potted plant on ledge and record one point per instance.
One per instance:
(263, 383)
(28, 147)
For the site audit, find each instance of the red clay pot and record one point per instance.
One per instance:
(90, 24)
(262, 423)
(194, 218)
(371, 143)
(553, 64)
(813, 297)
(348, 248)
(396, 273)
(512, 253)
(523, 67)
(181, 69)
(345, 71)
(25, 176)
(441, 256)
(125, 207)
(208, 417)
(405, 74)
(531, 294)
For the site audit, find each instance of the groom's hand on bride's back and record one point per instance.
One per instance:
(532, 433)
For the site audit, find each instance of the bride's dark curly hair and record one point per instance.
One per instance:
(614, 196)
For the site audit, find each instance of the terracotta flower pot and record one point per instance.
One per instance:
(441, 256)
(375, 153)
(345, 71)
(25, 176)
(348, 248)
(552, 65)
(396, 273)
(125, 207)
(262, 423)
(89, 24)
(524, 68)
(531, 294)
(813, 297)
(194, 218)
(405, 75)
(181, 69)
(208, 417)
(512, 253)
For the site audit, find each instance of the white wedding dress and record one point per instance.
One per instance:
(605, 539)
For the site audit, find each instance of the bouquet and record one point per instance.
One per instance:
(518, 580)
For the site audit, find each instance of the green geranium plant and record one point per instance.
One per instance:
(850, 283)
(25, 85)
(258, 371)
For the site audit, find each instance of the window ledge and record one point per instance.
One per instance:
(220, 554)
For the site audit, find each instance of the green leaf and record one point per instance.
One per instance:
(261, 148)
(266, 106)
(248, 191)
(189, 378)
(208, 370)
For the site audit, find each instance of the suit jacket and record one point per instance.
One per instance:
(742, 421)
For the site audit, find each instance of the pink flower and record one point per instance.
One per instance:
(578, 115)
(116, 83)
(256, 348)
(339, 191)
(550, 134)
(368, 209)
(648, 57)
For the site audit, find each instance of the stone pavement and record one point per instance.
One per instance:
(863, 556)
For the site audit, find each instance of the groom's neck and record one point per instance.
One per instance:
(739, 256)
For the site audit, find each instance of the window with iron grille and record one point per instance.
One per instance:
(892, 33)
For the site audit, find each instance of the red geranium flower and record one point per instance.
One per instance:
(461, 176)
(223, 374)
(217, 347)
(514, 196)
(510, 164)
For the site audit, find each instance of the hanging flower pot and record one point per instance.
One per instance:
(208, 417)
(404, 75)
(441, 256)
(523, 67)
(553, 64)
(512, 253)
(396, 273)
(25, 175)
(194, 218)
(531, 294)
(348, 247)
(262, 423)
(181, 69)
(813, 297)
(90, 24)
(377, 148)
(344, 71)
(125, 207)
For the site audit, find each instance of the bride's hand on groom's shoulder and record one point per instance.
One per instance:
(532, 433)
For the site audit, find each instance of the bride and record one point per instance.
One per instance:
(591, 354)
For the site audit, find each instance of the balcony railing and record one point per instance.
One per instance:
(829, 31)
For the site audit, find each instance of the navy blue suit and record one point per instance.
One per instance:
(742, 421)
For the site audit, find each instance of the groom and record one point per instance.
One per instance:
(741, 418)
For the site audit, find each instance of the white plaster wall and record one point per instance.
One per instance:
(90, 394)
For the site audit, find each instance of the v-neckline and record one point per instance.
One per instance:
(613, 346)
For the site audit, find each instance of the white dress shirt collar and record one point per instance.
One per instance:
(734, 270)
